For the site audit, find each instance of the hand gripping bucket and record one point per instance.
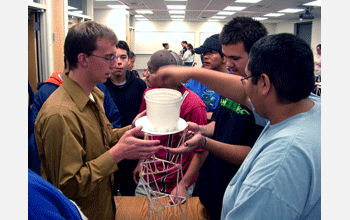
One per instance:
(163, 109)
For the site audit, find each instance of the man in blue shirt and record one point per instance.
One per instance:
(46, 202)
(281, 176)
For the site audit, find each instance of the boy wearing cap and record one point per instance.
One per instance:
(192, 109)
(212, 58)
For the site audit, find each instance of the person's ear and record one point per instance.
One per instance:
(82, 60)
(264, 84)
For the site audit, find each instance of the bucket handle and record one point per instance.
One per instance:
(184, 96)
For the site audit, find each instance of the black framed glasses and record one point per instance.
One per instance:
(245, 78)
(110, 58)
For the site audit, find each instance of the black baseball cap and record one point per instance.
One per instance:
(211, 43)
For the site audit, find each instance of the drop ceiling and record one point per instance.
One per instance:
(205, 10)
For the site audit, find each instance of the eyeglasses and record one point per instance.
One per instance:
(111, 58)
(245, 78)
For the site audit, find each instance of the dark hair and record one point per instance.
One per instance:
(165, 44)
(288, 62)
(190, 48)
(184, 42)
(123, 45)
(319, 45)
(82, 38)
(131, 54)
(242, 29)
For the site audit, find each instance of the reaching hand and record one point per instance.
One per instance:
(179, 190)
(189, 146)
(140, 115)
(136, 173)
(130, 147)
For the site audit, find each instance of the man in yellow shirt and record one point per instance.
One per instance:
(78, 147)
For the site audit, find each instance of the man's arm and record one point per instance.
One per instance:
(60, 144)
(227, 85)
(208, 129)
(234, 154)
(194, 167)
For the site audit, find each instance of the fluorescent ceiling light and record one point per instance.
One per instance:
(226, 13)
(139, 16)
(177, 16)
(177, 19)
(176, 12)
(234, 8)
(314, 3)
(218, 17)
(290, 10)
(274, 14)
(118, 6)
(259, 18)
(213, 20)
(72, 8)
(144, 11)
(142, 19)
(248, 1)
(78, 12)
(177, 7)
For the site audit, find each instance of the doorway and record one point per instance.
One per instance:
(303, 30)
(33, 65)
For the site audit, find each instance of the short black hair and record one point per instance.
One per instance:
(242, 29)
(123, 45)
(184, 42)
(288, 62)
(131, 54)
(82, 38)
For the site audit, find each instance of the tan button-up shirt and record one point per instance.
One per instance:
(73, 136)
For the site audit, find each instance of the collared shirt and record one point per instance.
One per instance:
(73, 136)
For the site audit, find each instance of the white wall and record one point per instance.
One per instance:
(114, 19)
(200, 29)
(288, 27)
(196, 27)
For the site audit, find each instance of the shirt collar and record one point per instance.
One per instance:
(77, 93)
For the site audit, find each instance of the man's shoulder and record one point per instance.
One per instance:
(59, 102)
(135, 80)
(193, 98)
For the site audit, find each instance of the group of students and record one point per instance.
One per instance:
(258, 157)
(186, 53)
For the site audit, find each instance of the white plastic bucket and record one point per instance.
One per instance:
(163, 109)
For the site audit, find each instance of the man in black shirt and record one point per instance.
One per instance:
(126, 91)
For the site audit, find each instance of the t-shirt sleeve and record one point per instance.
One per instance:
(259, 203)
